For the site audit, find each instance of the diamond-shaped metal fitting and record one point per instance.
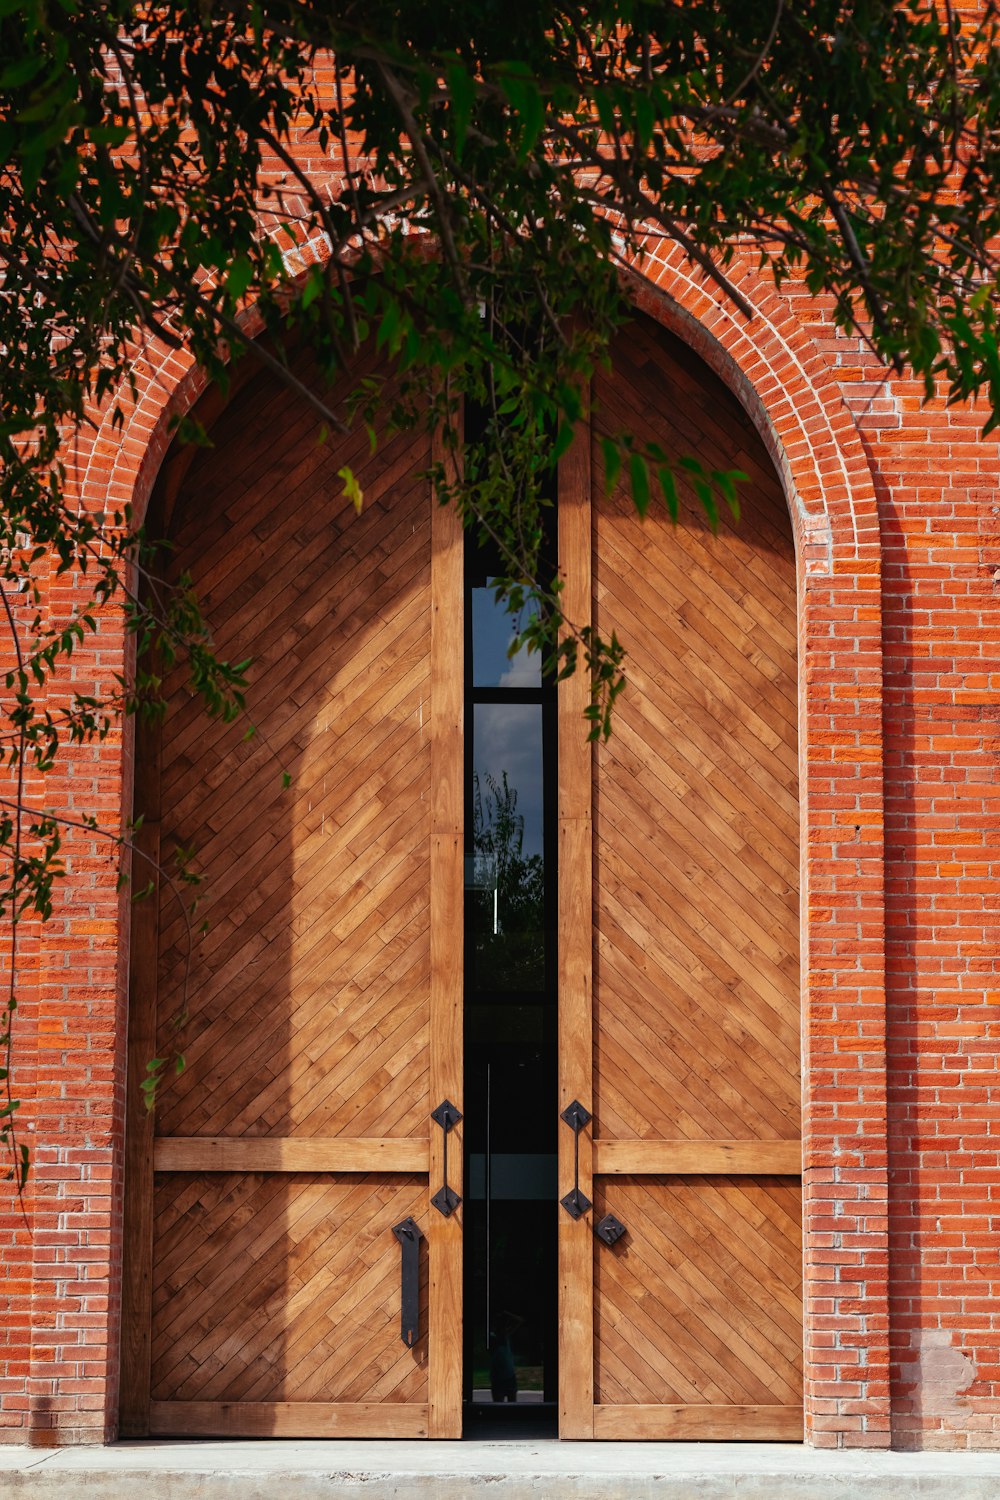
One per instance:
(576, 1203)
(446, 1200)
(446, 1115)
(576, 1115)
(610, 1229)
(407, 1229)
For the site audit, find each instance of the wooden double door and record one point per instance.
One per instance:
(294, 1219)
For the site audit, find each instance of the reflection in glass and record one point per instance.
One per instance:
(493, 631)
(507, 879)
(509, 1193)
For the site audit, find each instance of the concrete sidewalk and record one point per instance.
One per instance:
(536, 1470)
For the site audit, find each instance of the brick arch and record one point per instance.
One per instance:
(772, 366)
(169, 383)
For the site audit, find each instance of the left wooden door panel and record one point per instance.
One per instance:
(276, 1304)
(264, 1285)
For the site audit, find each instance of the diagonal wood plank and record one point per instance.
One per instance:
(309, 996)
(304, 1297)
(697, 1310)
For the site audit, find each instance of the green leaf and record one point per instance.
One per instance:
(17, 74)
(462, 90)
(352, 488)
(727, 480)
(606, 113)
(612, 463)
(639, 476)
(564, 438)
(239, 277)
(526, 99)
(645, 118)
(388, 328)
(312, 288)
(668, 485)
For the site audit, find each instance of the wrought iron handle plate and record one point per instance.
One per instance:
(407, 1232)
(610, 1230)
(447, 1115)
(576, 1116)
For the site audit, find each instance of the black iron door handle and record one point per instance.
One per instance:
(409, 1236)
(610, 1230)
(576, 1117)
(447, 1115)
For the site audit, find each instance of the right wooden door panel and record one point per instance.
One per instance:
(697, 1311)
(694, 1019)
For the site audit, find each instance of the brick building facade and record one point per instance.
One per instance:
(895, 510)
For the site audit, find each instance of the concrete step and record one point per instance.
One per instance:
(536, 1470)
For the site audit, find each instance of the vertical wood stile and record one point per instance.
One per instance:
(576, 1297)
(137, 1269)
(447, 959)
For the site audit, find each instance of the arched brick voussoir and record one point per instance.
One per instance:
(774, 369)
(168, 382)
(123, 462)
(769, 363)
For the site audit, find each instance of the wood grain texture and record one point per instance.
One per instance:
(299, 1132)
(775, 1158)
(308, 994)
(697, 1310)
(284, 1288)
(267, 1154)
(287, 1419)
(762, 1424)
(701, 1301)
(696, 833)
(137, 1258)
(447, 1011)
(575, 954)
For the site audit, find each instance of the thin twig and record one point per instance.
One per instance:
(10, 1130)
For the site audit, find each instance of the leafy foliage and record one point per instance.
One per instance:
(487, 172)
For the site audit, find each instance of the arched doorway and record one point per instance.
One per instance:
(325, 1001)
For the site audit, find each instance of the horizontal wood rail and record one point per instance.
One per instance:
(659, 1157)
(306, 1419)
(215, 1153)
(763, 1423)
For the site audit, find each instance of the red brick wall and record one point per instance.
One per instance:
(938, 495)
(897, 519)
(936, 482)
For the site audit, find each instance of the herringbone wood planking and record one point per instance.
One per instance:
(695, 794)
(696, 1013)
(701, 1302)
(308, 993)
(277, 1294)
(272, 1287)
